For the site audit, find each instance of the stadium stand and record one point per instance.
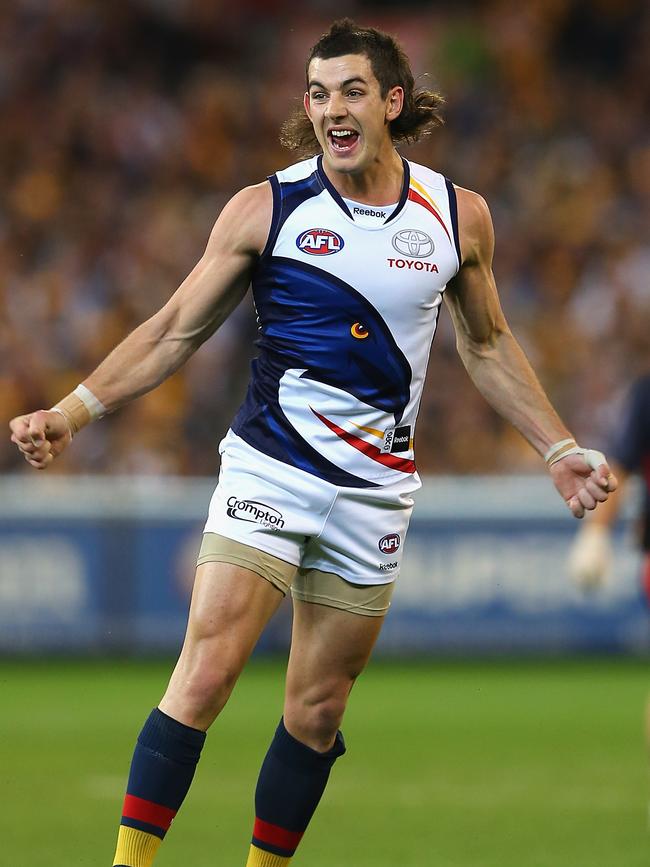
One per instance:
(125, 127)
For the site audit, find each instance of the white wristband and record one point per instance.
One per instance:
(94, 406)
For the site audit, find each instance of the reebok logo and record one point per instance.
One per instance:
(387, 567)
(369, 212)
(255, 513)
(397, 439)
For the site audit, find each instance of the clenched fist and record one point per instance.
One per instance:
(40, 436)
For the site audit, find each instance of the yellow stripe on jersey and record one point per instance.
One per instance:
(370, 430)
(425, 194)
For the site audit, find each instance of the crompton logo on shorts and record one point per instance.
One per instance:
(254, 512)
(320, 242)
(390, 543)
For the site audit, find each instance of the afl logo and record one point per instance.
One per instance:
(390, 543)
(319, 242)
(413, 242)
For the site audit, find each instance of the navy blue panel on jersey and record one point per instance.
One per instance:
(453, 212)
(275, 219)
(287, 196)
(307, 315)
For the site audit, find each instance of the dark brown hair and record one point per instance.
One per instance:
(390, 65)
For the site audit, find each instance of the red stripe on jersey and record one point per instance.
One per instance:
(385, 458)
(416, 197)
(147, 811)
(274, 835)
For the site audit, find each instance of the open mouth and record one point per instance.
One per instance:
(342, 141)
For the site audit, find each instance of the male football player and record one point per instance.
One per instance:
(350, 254)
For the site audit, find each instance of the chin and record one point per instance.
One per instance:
(344, 165)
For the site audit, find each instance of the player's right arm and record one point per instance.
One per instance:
(159, 346)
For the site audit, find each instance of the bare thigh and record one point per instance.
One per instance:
(329, 649)
(230, 607)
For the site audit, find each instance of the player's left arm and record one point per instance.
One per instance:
(498, 366)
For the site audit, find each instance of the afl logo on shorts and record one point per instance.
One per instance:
(390, 543)
(319, 242)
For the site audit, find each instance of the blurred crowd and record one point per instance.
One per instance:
(125, 127)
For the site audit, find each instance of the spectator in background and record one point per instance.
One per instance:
(590, 559)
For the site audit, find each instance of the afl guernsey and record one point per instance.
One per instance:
(347, 309)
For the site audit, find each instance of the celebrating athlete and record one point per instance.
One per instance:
(350, 254)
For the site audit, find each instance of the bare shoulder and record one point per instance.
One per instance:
(475, 228)
(244, 223)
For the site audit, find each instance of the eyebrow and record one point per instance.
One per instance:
(343, 84)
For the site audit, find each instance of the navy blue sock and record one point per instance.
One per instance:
(291, 783)
(162, 770)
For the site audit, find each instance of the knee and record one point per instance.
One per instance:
(208, 686)
(314, 720)
(199, 689)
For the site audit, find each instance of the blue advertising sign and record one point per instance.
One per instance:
(106, 565)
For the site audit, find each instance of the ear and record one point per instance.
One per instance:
(394, 103)
(307, 104)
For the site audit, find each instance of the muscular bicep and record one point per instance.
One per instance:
(219, 280)
(472, 297)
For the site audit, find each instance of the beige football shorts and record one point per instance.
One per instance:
(306, 585)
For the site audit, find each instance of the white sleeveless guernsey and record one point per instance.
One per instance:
(347, 314)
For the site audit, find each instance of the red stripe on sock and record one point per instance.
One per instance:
(265, 832)
(147, 811)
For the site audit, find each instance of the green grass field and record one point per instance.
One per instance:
(453, 764)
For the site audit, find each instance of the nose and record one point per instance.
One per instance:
(336, 107)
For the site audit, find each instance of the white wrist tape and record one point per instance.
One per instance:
(592, 456)
(94, 406)
(559, 447)
(79, 408)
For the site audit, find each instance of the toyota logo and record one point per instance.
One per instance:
(413, 242)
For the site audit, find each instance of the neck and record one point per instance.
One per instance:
(378, 184)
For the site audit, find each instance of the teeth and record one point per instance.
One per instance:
(341, 133)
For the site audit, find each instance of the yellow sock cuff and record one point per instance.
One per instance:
(135, 848)
(261, 858)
